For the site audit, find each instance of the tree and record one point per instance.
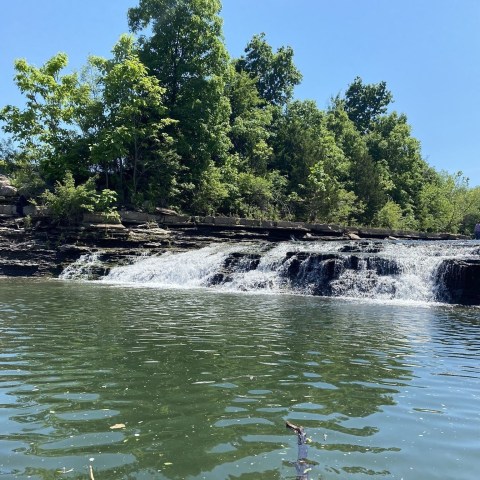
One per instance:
(8, 156)
(365, 103)
(186, 52)
(316, 168)
(391, 144)
(249, 123)
(366, 178)
(127, 125)
(45, 129)
(211, 191)
(327, 198)
(444, 202)
(389, 216)
(295, 140)
(275, 73)
(386, 161)
(472, 213)
(68, 202)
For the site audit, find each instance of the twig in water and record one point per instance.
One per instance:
(301, 465)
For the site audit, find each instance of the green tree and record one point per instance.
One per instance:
(365, 103)
(181, 43)
(275, 73)
(366, 178)
(68, 202)
(295, 139)
(307, 154)
(211, 191)
(8, 156)
(389, 216)
(45, 130)
(444, 203)
(392, 146)
(126, 122)
(472, 213)
(250, 122)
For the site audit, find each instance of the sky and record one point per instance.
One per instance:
(427, 51)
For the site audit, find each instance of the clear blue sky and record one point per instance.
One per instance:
(426, 50)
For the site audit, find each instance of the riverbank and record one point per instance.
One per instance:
(35, 246)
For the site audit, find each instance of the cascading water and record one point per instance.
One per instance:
(87, 267)
(406, 271)
(174, 270)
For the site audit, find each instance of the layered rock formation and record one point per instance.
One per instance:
(460, 281)
(35, 246)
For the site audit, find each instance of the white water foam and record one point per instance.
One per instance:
(83, 268)
(414, 278)
(190, 269)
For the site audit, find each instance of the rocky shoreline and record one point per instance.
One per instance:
(34, 246)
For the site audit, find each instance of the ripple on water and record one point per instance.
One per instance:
(204, 384)
(78, 442)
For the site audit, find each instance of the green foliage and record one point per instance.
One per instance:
(126, 125)
(171, 120)
(306, 152)
(445, 202)
(185, 48)
(68, 202)
(45, 128)
(8, 156)
(364, 104)
(275, 73)
(328, 200)
(297, 141)
(472, 211)
(260, 195)
(28, 179)
(186, 53)
(390, 143)
(210, 191)
(249, 133)
(365, 177)
(389, 216)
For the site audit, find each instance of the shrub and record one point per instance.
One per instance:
(69, 202)
(389, 216)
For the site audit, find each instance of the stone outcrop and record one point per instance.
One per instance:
(33, 245)
(235, 262)
(459, 281)
(6, 189)
(37, 247)
(318, 271)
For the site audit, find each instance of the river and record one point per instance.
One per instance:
(195, 383)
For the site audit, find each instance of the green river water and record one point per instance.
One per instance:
(204, 381)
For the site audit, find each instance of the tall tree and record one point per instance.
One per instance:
(249, 122)
(365, 103)
(317, 169)
(127, 123)
(445, 201)
(367, 178)
(181, 43)
(391, 144)
(45, 129)
(275, 73)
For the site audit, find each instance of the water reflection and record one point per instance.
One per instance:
(204, 382)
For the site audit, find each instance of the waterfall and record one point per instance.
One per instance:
(188, 269)
(381, 270)
(87, 267)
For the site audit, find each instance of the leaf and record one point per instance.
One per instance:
(117, 426)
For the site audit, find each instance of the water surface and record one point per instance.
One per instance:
(204, 381)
